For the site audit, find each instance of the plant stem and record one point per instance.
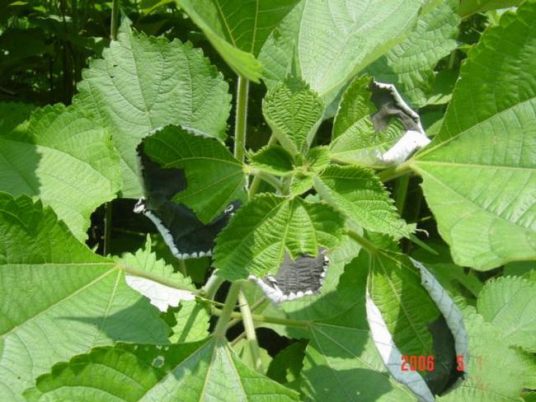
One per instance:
(114, 19)
(227, 311)
(267, 319)
(249, 328)
(254, 307)
(107, 241)
(212, 285)
(257, 179)
(241, 117)
(401, 192)
(366, 244)
(394, 172)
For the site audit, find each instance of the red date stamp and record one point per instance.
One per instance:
(426, 363)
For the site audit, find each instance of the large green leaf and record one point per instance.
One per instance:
(341, 364)
(480, 172)
(468, 7)
(238, 28)
(394, 285)
(294, 113)
(214, 178)
(257, 238)
(145, 83)
(495, 372)
(359, 194)
(64, 159)
(57, 298)
(203, 371)
(354, 139)
(337, 38)
(509, 304)
(409, 65)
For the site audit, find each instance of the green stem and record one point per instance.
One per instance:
(227, 311)
(114, 19)
(394, 172)
(401, 192)
(212, 285)
(148, 275)
(249, 328)
(241, 117)
(267, 319)
(258, 177)
(254, 307)
(366, 244)
(107, 241)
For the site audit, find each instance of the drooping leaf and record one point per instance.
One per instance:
(273, 159)
(394, 285)
(152, 286)
(261, 232)
(336, 39)
(409, 65)
(237, 28)
(359, 194)
(143, 84)
(468, 7)
(509, 304)
(480, 172)
(214, 178)
(354, 139)
(341, 364)
(64, 159)
(57, 298)
(199, 371)
(293, 112)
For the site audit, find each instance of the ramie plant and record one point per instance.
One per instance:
(303, 230)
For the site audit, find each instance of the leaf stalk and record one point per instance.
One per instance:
(241, 117)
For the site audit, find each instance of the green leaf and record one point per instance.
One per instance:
(354, 139)
(337, 39)
(238, 28)
(185, 372)
(509, 304)
(64, 159)
(273, 159)
(12, 114)
(480, 171)
(342, 364)
(258, 236)
(468, 7)
(193, 323)
(294, 113)
(57, 298)
(409, 65)
(156, 285)
(360, 195)
(495, 372)
(214, 177)
(394, 285)
(144, 83)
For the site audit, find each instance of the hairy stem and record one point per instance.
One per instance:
(107, 238)
(227, 311)
(366, 244)
(401, 193)
(241, 117)
(394, 172)
(257, 179)
(249, 328)
(212, 285)
(267, 319)
(114, 22)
